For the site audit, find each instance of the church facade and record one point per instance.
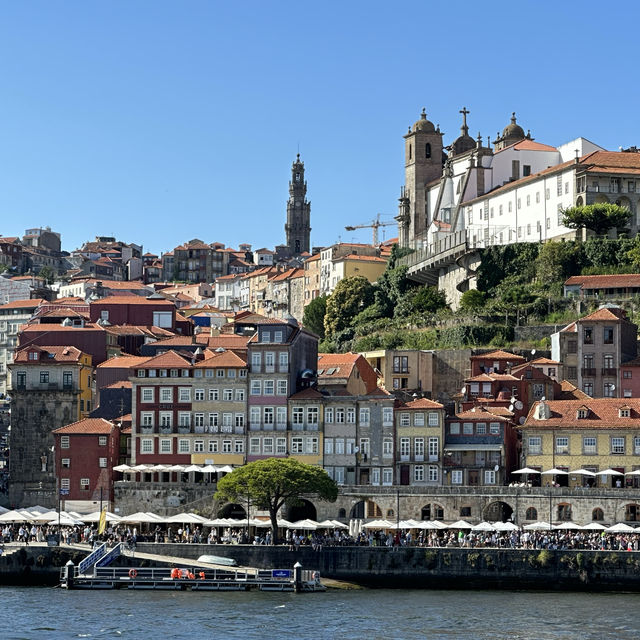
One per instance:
(473, 194)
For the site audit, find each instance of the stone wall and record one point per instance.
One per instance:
(131, 497)
(419, 567)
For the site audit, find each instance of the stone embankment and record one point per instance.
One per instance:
(400, 567)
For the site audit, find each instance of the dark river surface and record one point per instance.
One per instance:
(366, 614)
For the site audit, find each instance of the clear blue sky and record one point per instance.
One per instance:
(160, 121)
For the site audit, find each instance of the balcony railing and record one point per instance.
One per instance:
(589, 372)
(607, 371)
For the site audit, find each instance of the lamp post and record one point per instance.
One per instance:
(397, 509)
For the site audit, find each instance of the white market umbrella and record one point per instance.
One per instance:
(186, 518)
(122, 468)
(429, 525)
(483, 526)
(554, 472)
(225, 469)
(620, 527)
(568, 526)
(36, 509)
(525, 471)
(609, 472)
(409, 524)
(142, 467)
(216, 522)
(378, 524)
(307, 524)
(17, 515)
(339, 525)
(505, 526)
(176, 467)
(95, 517)
(210, 468)
(141, 517)
(460, 524)
(3, 510)
(539, 525)
(633, 473)
(193, 468)
(582, 472)
(594, 526)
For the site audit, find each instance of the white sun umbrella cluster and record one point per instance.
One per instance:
(182, 468)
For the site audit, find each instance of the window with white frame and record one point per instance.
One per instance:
(256, 361)
(166, 394)
(365, 446)
(467, 428)
(312, 416)
(434, 447)
(268, 415)
(213, 446)
(65, 483)
(387, 448)
(146, 445)
(456, 476)
(227, 422)
(254, 445)
(281, 446)
(296, 445)
(418, 448)
(328, 446)
(636, 445)
(311, 444)
(281, 416)
(351, 415)
(535, 445)
(339, 446)
(282, 388)
(494, 428)
(239, 419)
(418, 419)
(481, 428)
(562, 444)
(84, 484)
(387, 416)
(183, 445)
(433, 473)
(418, 473)
(387, 476)
(340, 414)
(405, 448)
(227, 395)
(184, 419)
(454, 428)
(146, 418)
(351, 446)
(254, 416)
(238, 446)
(231, 373)
(184, 394)
(589, 445)
(214, 420)
(283, 360)
(338, 475)
(405, 419)
(375, 476)
(256, 387)
(489, 476)
(198, 446)
(226, 446)
(270, 361)
(328, 415)
(267, 446)
(198, 420)
(617, 445)
(102, 463)
(434, 419)
(268, 387)
(242, 373)
(214, 395)
(297, 415)
(146, 394)
(365, 416)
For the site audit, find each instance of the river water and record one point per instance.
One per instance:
(367, 614)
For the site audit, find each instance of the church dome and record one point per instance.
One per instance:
(463, 143)
(423, 125)
(513, 130)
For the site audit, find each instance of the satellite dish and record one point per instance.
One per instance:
(613, 387)
(463, 390)
(356, 449)
(543, 399)
(496, 468)
(511, 407)
(513, 399)
(519, 405)
(522, 420)
(533, 352)
(473, 409)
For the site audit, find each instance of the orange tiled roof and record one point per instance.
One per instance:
(223, 359)
(603, 413)
(168, 360)
(569, 391)
(133, 300)
(125, 360)
(610, 314)
(497, 355)
(23, 304)
(353, 256)
(481, 412)
(606, 281)
(421, 403)
(121, 384)
(60, 354)
(88, 426)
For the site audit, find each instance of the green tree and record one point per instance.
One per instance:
(420, 301)
(349, 298)
(271, 483)
(47, 273)
(313, 316)
(598, 218)
(558, 260)
(472, 300)
(633, 254)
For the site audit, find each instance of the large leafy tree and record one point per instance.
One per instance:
(598, 218)
(350, 297)
(313, 317)
(271, 483)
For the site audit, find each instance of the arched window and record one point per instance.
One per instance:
(531, 514)
(437, 512)
(597, 515)
(426, 512)
(342, 513)
(564, 511)
(465, 512)
(390, 513)
(632, 513)
(427, 150)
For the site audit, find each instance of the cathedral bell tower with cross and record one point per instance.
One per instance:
(298, 226)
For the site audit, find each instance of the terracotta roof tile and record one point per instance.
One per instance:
(610, 314)
(24, 304)
(603, 413)
(88, 426)
(606, 281)
(124, 361)
(421, 403)
(223, 359)
(168, 360)
(53, 354)
(498, 355)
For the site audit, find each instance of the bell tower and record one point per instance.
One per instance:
(422, 164)
(298, 226)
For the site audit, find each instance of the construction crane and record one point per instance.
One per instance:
(375, 225)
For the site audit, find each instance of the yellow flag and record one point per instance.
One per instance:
(102, 525)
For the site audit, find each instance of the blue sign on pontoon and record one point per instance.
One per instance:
(281, 573)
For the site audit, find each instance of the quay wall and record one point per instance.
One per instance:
(427, 568)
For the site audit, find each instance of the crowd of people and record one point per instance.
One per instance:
(317, 540)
